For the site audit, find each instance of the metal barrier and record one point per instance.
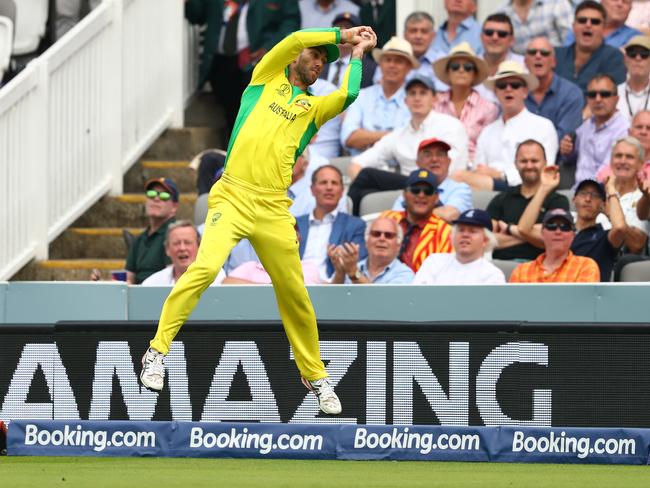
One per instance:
(82, 113)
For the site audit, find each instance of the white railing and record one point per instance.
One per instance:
(82, 113)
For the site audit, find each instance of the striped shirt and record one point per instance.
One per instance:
(574, 269)
(477, 113)
(421, 240)
(547, 18)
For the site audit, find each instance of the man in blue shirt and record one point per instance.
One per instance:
(589, 55)
(555, 98)
(616, 33)
(460, 26)
(383, 240)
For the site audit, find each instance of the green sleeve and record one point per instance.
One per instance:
(337, 101)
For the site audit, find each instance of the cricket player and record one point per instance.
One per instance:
(277, 118)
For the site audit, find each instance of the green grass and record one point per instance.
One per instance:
(17, 472)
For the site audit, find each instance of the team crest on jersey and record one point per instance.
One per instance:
(284, 90)
(303, 103)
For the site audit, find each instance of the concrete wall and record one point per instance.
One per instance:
(47, 302)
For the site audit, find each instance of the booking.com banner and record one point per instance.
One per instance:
(347, 442)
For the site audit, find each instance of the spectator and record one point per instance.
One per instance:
(454, 197)
(460, 26)
(616, 33)
(596, 135)
(471, 237)
(557, 99)
(498, 142)
(321, 13)
(639, 17)
(380, 108)
(588, 55)
(380, 15)
(591, 239)
(333, 72)
(68, 13)
(326, 225)
(640, 130)
(419, 32)
(400, 146)
(209, 165)
(462, 70)
(181, 246)
(327, 141)
(383, 239)
(253, 273)
(424, 232)
(557, 264)
(634, 94)
(227, 60)
(147, 253)
(538, 18)
(497, 39)
(508, 206)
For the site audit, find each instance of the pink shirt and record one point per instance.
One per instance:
(477, 113)
(255, 272)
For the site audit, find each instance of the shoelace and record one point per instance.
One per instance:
(154, 363)
(324, 390)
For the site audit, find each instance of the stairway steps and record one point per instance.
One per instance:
(144, 170)
(67, 269)
(91, 242)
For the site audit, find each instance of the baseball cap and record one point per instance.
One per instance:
(588, 182)
(422, 80)
(348, 17)
(642, 41)
(558, 213)
(475, 216)
(166, 183)
(433, 141)
(333, 52)
(422, 176)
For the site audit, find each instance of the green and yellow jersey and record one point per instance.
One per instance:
(276, 119)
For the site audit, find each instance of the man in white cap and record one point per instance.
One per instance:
(494, 167)
(634, 94)
(380, 108)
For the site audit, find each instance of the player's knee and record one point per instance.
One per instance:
(204, 272)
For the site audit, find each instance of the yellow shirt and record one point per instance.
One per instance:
(276, 119)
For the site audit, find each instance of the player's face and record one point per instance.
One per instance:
(309, 65)
(469, 241)
(530, 162)
(182, 246)
(327, 189)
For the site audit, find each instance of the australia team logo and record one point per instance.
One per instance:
(303, 103)
(215, 218)
(284, 90)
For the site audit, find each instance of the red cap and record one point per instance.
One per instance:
(431, 142)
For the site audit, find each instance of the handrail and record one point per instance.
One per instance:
(79, 115)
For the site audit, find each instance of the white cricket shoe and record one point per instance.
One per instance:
(328, 402)
(153, 370)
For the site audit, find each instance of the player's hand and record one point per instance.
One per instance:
(357, 35)
(550, 177)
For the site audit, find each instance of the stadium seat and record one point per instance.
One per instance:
(480, 199)
(636, 272)
(506, 265)
(378, 201)
(31, 21)
(6, 40)
(201, 208)
(342, 163)
(569, 194)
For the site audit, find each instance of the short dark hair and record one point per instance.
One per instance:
(603, 76)
(500, 18)
(530, 142)
(314, 175)
(590, 4)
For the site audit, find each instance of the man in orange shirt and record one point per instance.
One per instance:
(424, 232)
(557, 264)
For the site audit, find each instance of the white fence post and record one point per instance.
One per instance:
(39, 154)
(177, 54)
(113, 104)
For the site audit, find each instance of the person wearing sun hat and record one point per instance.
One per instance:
(462, 70)
(494, 163)
(380, 108)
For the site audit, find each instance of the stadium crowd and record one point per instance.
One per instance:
(514, 149)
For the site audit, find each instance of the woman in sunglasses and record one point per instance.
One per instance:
(462, 70)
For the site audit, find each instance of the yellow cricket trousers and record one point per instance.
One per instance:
(237, 209)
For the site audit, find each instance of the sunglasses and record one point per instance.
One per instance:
(416, 190)
(633, 53)
(591, 20)
(587, 193)
(468, 67)
(602, 93)
(501, 33)
(515, 85)
(533, 52)
(163, 195)
(553, 226)
(387, 234)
